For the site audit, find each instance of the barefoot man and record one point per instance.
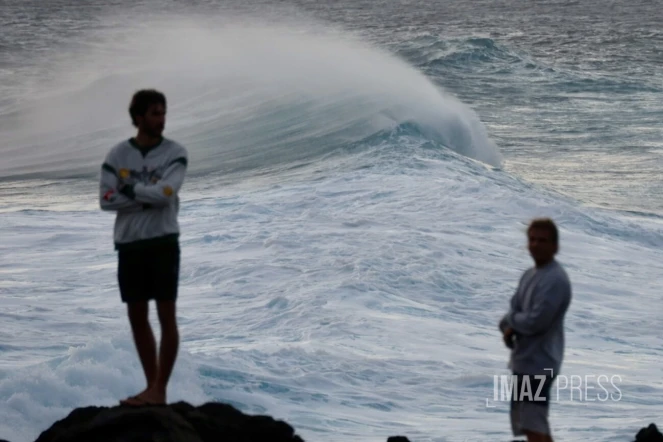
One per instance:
(140, 181)
(534, 331)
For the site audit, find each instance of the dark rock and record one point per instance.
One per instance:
(178, 422)
(649, 434)
(182, 422)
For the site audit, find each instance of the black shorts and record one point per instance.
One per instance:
(530, 404)
(150, 272)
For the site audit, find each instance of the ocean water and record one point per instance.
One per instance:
(353, 223)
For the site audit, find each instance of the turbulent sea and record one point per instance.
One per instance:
(353, 222)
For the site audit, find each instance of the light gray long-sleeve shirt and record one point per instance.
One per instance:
(148, 214)
(536, 315)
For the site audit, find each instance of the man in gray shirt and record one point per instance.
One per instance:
(140, 181)
(533, 329)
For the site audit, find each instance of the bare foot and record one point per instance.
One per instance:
(149, 396)
(154, 396)
(133, 400)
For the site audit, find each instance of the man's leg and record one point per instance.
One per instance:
(138, 312)
(167, 267)
(157, 391)
(537, 437)
(144, 339)
(529, 414)
(132, 283)
(170, 340)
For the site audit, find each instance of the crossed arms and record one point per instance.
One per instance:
(115, 195)
(551, 295)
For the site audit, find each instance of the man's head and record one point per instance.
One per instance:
(148, 112)
(543, 240)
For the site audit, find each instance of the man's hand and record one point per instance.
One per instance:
(508, 337)
(127, 190)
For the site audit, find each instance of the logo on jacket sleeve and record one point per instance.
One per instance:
(109, 195)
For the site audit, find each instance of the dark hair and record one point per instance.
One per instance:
(142, 100)
(546, 224)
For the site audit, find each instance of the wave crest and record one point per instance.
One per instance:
(239, 97)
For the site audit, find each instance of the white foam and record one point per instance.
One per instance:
(96, 373)
(250, 95)
(358, 297)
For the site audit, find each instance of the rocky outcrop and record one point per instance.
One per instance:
(178, 422)
(183, 422)
(649, 434)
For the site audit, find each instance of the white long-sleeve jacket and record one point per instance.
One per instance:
(142, 186)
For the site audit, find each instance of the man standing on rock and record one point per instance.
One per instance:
(534, 331)
(140, 181)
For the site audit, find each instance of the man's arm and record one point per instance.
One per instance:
(504, 322)
(506, 329)
(550, 297)
(164, 191)
(110, 199)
